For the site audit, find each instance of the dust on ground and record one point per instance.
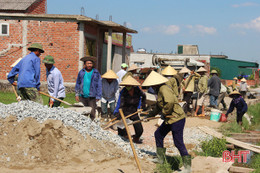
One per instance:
(29, 146)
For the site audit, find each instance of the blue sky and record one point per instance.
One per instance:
(229, 27)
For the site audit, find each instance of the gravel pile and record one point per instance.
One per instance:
(85, 126)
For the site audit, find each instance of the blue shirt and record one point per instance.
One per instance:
(29, 72)
(86, 84)
(109, 89)
(55, 83)
(240, 105)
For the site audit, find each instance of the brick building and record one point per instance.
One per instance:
(66, 37)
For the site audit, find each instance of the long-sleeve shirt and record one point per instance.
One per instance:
(120, 75)
(243, 86)
(109, 89)
(214, 84)
(29, 72)
(203, 84)
(240, 105)
(55, 83)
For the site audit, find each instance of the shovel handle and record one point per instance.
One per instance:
(15, 91)
(55, 98)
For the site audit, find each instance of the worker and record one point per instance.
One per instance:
(188, 86)
(214, 84)
(234, 84)
(88, 87)
(109, 89)
(121, 72)
(221, 97)
(239, 103)
(54, 81)
(243, 88)
(131, 99)
(29, 71)
(202, 91)
(174, 119)
(169, 73)
(131, 71)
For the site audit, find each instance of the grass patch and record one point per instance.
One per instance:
(255, 163)
(9, 97)
(214, 147)
(171, 163)
(254, 110)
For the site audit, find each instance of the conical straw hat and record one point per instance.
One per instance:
(233, 93)
(201, 69)
(169, 71)
(184, 70)
(154, 78)
(16, 62)
(110, 74)
(129, 81)
(235, 78)
(243, 80)
(132, 67)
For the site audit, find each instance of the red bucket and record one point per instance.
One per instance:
(223, 118)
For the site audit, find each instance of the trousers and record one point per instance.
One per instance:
(90, 101)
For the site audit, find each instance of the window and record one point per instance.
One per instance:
(4, 29)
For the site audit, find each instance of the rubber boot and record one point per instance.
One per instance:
(160, 152)
(186, 163)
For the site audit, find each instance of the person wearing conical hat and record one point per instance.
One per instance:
(54, 81)
(169, 73)
(188, 87)
(29, 71)
(214, 84)
(243, 88)
(239, 103)
(88, 89)
(202, 90)
(234, 84)
(131, 71)
(131, 98)
(109, 89)
(173, 115)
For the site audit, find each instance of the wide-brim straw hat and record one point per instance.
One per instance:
(88, 58)
(201, 69)
(184, 70)
(213, 72)
(235, 78)
(110, 74)
(234, 93)
(169, 71)
(243, 80)
(129, 81)
(132, 67)
(154, 78)
(16, 62)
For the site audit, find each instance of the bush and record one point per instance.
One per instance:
(214, 147)
(255, 164)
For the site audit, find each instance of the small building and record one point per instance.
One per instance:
(66, 37)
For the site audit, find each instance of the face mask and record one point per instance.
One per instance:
(128, 88)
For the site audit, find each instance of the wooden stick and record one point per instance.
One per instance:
(55, 98)
(140, 110)
(150, 118)
(16, 95)
(130, 140)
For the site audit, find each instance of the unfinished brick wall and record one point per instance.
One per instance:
(38, 7)
(59, 39)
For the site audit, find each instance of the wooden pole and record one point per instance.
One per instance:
(140, 110)
(16, 95)
(130, 140)
(55, 98)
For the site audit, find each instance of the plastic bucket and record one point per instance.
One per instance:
(215, 115)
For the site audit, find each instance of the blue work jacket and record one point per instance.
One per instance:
(95, 86)
(29, 72)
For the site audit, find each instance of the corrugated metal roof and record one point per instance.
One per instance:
(16, 4)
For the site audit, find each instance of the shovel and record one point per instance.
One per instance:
(18, 98)
(62, 101)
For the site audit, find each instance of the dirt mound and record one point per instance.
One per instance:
(29, 146)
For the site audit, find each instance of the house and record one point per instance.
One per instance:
(66, 37)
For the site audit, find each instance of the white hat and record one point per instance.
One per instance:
(169, 71)
(184, 70)
(201, 69)
(243, 80)
(129, 81)
(110, 74)
(154, 78)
